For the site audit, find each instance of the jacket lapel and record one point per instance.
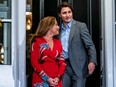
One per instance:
(73, 27)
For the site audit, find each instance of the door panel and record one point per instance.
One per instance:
(50, 8)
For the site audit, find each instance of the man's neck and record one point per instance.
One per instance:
(65, 24)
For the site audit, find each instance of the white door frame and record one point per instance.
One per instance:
(108, 43)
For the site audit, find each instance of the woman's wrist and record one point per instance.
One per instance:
(60, 77)
(44, 76)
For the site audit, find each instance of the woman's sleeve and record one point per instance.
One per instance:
(35, 55)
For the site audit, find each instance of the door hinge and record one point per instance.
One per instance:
(0, 23)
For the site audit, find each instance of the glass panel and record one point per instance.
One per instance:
(5, 9)
(5, 44)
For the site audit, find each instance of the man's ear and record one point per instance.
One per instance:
(59, 15)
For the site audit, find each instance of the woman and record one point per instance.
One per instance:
(46, 55)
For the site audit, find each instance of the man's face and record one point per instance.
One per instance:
(66, 14)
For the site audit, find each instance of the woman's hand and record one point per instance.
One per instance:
(52, 82)
(56, 80)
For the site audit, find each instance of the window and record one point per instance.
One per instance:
(5, 32)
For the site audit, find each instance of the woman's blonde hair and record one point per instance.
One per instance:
(44, 25)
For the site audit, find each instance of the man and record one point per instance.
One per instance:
(78, 48)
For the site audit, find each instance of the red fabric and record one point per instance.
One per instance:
(50, 66)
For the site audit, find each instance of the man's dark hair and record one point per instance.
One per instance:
(64, 4)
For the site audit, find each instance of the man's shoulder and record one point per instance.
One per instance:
(78, 22)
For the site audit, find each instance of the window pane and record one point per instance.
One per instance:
(5, 9)
(5, 44)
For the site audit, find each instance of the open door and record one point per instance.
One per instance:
(87, 11)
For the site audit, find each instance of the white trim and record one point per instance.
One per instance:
(18, 43)
(14, 42)
(114, 41)
(6, 76)
(6, 20)
(108, 42)
(22, 42)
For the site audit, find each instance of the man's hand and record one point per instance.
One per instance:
(91, 67)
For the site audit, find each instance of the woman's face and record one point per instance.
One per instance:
(55, 29)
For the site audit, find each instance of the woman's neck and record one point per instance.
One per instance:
(48, 37)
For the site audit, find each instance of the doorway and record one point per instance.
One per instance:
(87, 11)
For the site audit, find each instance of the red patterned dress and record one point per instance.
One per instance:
(46, 62)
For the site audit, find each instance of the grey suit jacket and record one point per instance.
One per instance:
(81, 48)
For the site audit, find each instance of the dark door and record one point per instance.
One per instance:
(42, 8)
(85, 11)
(88, 11)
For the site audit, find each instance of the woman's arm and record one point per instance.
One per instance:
(35, 56)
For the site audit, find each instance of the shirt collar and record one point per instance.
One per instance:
(67, 26)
